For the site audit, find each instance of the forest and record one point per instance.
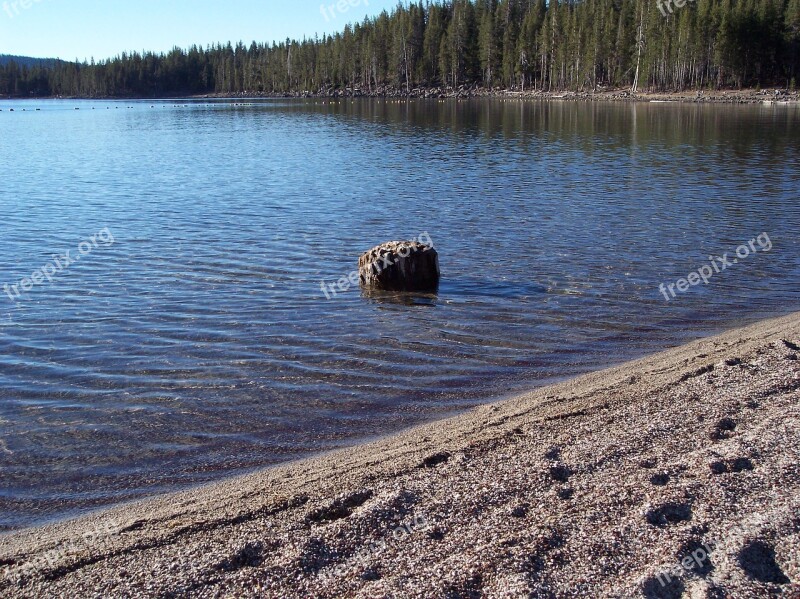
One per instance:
(566, 45)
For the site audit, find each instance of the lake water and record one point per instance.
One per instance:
(192, 340)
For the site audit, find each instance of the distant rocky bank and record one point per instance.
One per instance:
(729, 96)
(744, 96)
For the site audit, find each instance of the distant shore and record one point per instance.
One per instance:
(745, 96)
(730, 96)
(676, 473)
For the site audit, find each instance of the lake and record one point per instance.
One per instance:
(186, 336)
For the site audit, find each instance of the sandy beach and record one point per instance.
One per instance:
(677, 475)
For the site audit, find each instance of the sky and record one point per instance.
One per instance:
(99, 29)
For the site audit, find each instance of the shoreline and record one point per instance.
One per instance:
(657, 456)
(769, 95)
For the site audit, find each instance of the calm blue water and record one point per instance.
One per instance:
(192, 340)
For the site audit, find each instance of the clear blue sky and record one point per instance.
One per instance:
(83, 29)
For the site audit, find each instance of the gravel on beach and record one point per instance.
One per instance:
(677, 475)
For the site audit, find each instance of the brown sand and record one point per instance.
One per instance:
(589, 488)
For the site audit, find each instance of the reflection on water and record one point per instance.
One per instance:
(201, 344)
(402, 298)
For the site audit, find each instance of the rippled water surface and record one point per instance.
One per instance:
(199, 343)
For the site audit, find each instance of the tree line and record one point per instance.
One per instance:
(545, 45)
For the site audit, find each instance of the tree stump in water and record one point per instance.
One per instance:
(400, 266)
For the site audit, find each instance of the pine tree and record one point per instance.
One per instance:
(792, 37)
(487, 43)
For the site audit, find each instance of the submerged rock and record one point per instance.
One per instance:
(400, 266)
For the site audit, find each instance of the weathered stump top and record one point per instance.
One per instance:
(400, 266)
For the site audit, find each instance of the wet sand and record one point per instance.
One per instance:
(674, 475)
